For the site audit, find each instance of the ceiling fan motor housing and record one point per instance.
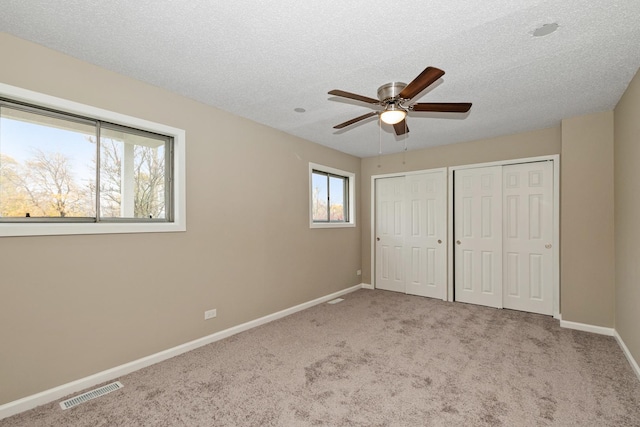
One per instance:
(390, 91)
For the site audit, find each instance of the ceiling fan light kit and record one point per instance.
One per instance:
(392, 114)
(397, 100)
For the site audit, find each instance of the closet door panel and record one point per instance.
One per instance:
(478, 236)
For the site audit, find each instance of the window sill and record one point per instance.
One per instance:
(332, 225)
(51, 229)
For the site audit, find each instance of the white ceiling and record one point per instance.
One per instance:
(263, 59)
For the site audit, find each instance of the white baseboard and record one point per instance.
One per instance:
(30, 402)
(605, 331)
(587, 328)
(628, 355)
(367, 286)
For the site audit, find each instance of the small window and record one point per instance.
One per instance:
(62, 172)
(331, 194)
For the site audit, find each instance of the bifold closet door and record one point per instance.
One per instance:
(478, 236)
(411, 233)
(390, 228)
(503, 232)
(528, 237)
(425, 235)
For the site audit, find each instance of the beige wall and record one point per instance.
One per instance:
(627, 216)
(586, 220)
(71, 306)
(529, 144)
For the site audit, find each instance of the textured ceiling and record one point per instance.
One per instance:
(263, 59)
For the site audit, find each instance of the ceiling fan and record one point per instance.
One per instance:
(396, 98)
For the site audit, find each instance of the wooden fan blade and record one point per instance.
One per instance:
(420, 83)
(357, 97)
(401, 128)
(357, 119)
(442, 107)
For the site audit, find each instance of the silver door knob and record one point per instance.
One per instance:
(548, 246)
(458, 242)
(439, 241)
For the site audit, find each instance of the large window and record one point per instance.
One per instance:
(331, 197)
(58, 167)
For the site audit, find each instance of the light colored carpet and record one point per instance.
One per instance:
(377, 359)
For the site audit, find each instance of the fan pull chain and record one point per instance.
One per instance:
(379, 140)
(406, 135)
(379, 137)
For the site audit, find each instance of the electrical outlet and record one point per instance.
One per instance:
(210, 314)
(359, 272)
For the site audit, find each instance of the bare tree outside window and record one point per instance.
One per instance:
(44, 186)
(13, 199)
(149, 182)
(132, 176)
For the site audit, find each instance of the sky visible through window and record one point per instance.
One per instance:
(21, 140)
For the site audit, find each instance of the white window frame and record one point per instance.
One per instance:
(351, 177)
(179, 174)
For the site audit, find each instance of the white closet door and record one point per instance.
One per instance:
(410, 234)
(390, 193)
(478, 236)
(528, 236)
(425, 235)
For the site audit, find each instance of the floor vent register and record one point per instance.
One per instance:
(101, 391)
